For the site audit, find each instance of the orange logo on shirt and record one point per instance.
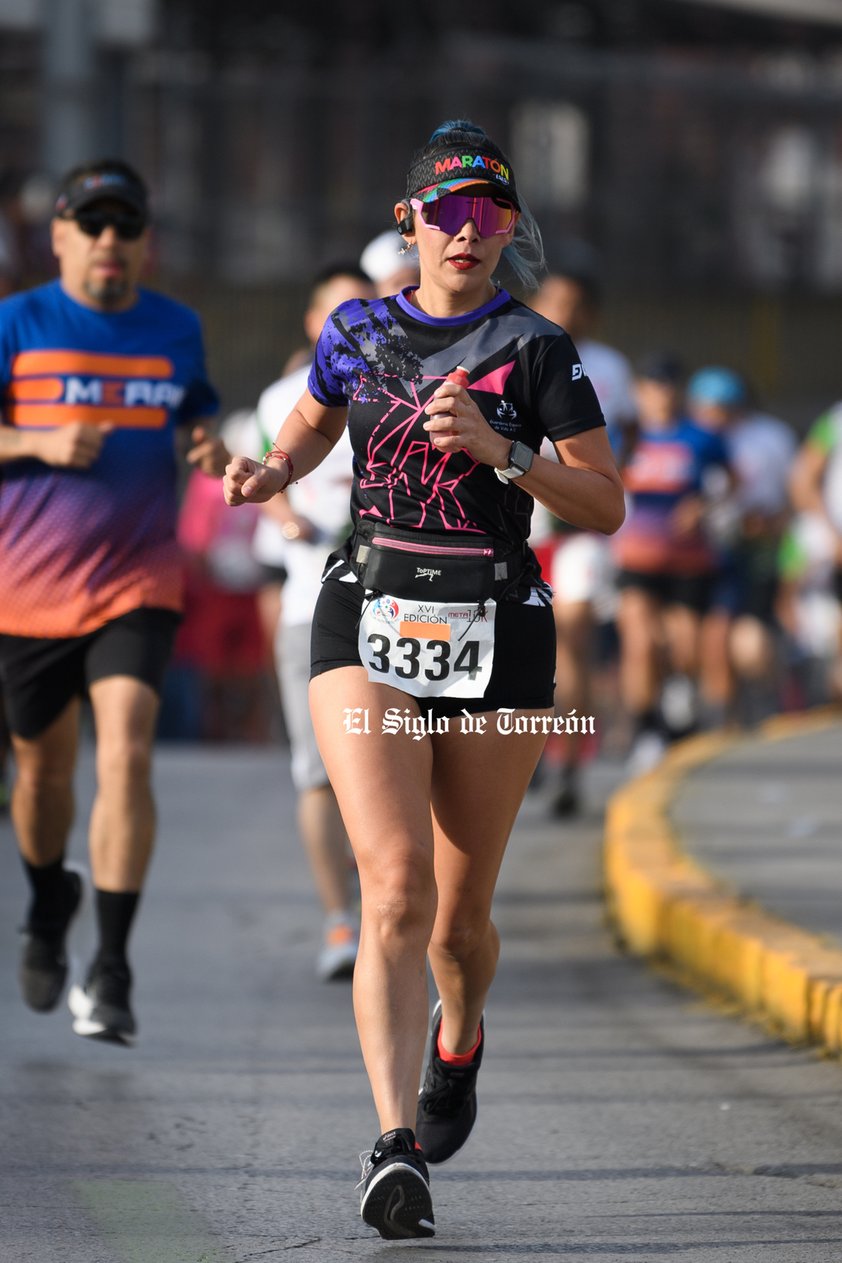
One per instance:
(661, 468)
(51, 388)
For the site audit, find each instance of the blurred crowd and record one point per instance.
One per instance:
(718, 602)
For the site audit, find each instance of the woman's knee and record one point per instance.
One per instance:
(399, 902)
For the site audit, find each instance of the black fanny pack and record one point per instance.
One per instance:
(417, 565)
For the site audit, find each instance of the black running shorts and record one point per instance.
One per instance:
(41, 676)
(524, 651)
(695, 592)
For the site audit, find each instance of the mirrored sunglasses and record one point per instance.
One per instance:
(128, 225)
(493, 216)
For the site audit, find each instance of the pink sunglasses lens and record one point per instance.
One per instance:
(453, 210)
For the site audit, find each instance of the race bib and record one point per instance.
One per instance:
(428, 648)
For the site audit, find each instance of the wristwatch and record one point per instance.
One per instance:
(520, 462)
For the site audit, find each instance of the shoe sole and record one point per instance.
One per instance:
(338, 969)
(398, 1204)
(83, 1024)
(341, 973)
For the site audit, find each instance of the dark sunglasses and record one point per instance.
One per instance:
(128, 225)
(492, 216)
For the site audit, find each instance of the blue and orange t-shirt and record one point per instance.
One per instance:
(79, 547)
(664, 468)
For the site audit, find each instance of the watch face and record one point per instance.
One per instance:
(521, 456)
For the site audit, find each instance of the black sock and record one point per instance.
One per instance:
(648, 721)
(48, 888)
(115, 912)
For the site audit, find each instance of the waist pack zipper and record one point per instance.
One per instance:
(431, 550)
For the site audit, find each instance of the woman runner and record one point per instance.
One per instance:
(433, 635)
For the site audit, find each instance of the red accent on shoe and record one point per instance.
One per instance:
(458, 1059)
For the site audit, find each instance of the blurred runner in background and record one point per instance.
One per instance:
(578, 564)
(221, 643)
(816, 489)
(390, 263)
(742, 651)
(303, 527)
(667, 563)
(97, 374)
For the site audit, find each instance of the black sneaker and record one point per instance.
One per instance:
(395, 1196)
(447, 1102)
(101, 1008)
(43, 964)
(566, 802)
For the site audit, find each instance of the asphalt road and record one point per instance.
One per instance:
(778, 845)
(621, 1118)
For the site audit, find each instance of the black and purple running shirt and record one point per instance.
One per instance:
(382, 358)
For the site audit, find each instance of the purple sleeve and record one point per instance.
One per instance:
(336, 365)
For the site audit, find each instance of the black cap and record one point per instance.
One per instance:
(114, 183)
(661, 366)
(457, 156)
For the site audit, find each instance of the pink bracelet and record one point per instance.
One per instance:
(276, 451)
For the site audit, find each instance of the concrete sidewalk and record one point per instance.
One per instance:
(727, 862)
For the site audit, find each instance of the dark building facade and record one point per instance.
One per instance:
(694, 148)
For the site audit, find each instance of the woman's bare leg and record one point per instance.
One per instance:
(641, 651)
(479, 780)
(382, 784)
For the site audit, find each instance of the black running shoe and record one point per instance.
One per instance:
(566, 802)
(447, 1102)
(395, 1196)
(101, 1008)
(43, 964)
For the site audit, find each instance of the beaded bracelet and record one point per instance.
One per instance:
(276, 451)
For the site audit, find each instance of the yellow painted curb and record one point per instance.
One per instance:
(664, 906)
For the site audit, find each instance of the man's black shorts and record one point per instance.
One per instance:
(40, 676)
(695, 592)
(524, 651)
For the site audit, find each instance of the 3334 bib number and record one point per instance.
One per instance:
(428, 649)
